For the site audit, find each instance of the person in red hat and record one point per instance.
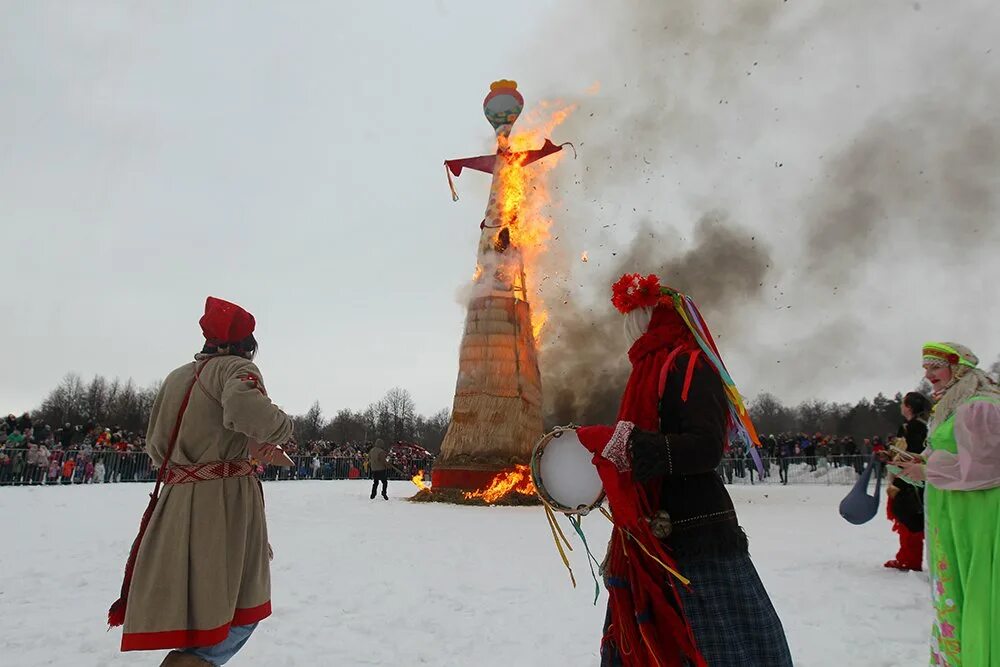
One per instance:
(198, 576)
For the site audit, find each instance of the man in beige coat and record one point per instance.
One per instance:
(198, 578)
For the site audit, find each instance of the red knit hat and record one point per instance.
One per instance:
(225, 322)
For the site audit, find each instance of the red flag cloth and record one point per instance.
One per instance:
(484, 163)
(547, 149)
(647, 623)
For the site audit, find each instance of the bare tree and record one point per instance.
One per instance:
(397, 415)
(770, 416)
(310, 425)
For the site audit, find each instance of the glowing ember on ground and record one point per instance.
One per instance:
(517, 480)
(418, 479)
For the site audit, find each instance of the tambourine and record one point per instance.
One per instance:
(564, 475)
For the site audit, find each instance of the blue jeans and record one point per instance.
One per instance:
(223, 652)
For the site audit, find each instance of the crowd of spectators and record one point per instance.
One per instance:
(322, 459)
(815, 451)
(82, 454)
(91, 453)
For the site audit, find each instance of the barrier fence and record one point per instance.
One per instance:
(107, 467)
(18, 468)
(829, 470)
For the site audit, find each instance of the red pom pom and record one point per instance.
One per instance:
(633, 291)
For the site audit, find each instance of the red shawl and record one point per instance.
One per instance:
(647, 626)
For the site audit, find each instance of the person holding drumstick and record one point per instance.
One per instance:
(682, 588)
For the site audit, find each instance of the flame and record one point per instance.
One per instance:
(594, 88)
(538, 320)
(524, 198)
(584, 257)
(517, 480)
(418, 479)
(477, 273)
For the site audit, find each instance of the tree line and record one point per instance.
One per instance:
(122, 404)
(394, 417)
(879, 416)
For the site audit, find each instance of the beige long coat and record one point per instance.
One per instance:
(203, 563)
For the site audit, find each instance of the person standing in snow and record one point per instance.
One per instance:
(905, 503)
(961, 468)
(379, 468)
(198, 576)
(669, 507)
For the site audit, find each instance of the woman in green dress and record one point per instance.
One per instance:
(962, 471)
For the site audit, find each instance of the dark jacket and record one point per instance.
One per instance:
(908, 505)
(685, 455)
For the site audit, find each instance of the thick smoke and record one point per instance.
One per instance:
(809, 174)
(586, 361)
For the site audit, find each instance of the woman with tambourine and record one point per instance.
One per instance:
(682, 588)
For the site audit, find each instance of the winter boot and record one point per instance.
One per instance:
(181, 659)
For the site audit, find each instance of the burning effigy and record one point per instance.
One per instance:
(496, 417)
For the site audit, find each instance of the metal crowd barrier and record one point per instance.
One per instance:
(109, 467)
(828, 470)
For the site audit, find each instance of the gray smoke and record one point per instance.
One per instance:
(585, 362)
(799, 170)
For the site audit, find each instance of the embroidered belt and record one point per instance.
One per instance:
(203, 472)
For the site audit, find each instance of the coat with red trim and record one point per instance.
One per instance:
(203, 563)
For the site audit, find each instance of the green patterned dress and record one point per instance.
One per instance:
(963, 533)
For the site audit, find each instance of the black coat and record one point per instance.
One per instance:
(908, 505)
(685, 455)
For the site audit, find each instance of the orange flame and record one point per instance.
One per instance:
(584, 257)
(517, 480)
(418, 479)
(477, 273)
(524, 198)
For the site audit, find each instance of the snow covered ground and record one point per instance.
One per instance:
(359, 582)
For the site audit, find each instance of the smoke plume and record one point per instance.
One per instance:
(810, 175)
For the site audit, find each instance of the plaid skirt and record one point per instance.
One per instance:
(734, 622)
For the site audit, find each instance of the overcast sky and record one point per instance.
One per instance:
(287, 156)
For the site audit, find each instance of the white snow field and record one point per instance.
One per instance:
(360, 582)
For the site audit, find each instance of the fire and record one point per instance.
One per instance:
(538, 320)
(524, 198)
(477, 273)
(418, 479)
(517, 480)
(584, 257)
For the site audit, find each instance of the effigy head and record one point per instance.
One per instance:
(503, 105)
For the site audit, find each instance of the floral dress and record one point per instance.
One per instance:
(963, 531)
